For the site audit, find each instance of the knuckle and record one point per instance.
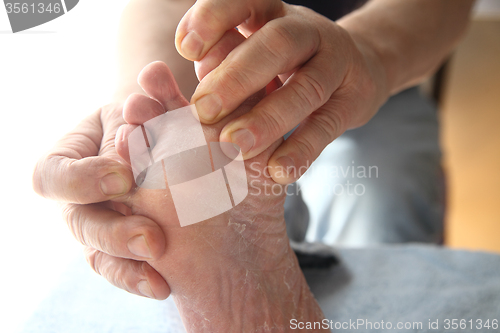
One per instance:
(110, 235)
(209, 12)
(43, 174)
(235, 81)
(37, 179)
(74, 178)
(77, 178)
(101, 236)
(315, 87)
(124, 274)
(127, 279)
(90, 256)
(110, 113)
(278, 46)
(67, 173)
(343, 110)
(97, 263)
(274, 122)
(328, 125)
(108, 142)
(310, 91)
(306, 148)
(115, 272)
(75, 219)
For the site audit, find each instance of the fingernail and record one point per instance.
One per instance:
(287, 166)
(244, 139)
(137, 245)
(113, 184)
(192, 46)
(209, 106)
(145, 289)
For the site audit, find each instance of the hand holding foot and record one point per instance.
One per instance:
(84, 173)
(235, 271)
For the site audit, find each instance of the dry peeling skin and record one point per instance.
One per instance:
(234, 271)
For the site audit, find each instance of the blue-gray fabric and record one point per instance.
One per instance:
(410, 283)
(393, 283)
(402, 190)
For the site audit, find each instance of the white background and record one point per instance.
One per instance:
(51, 77)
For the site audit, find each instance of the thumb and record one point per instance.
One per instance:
(206, 22)
(231, 39)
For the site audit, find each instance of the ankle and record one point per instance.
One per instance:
(239, 299)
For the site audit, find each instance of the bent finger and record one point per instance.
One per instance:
(71, 171)
(134, 237)
(305, 91)
(205, 23)
(280, 46)
(218, 53)
(305, 144)
(136, 277)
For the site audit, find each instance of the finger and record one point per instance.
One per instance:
(121, 142)
(205, 23)
(278, 47)
(136, 277)
(72, 172)
(159, 83)
(305, 91)
(296, 154)
(134, 237)
(218, 53)
(111, 120)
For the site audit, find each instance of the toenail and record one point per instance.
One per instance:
(209, 107)
(192, 46)
(145, 289)
(113, 184)
(244, 139)
(287, 166)
(137, 245)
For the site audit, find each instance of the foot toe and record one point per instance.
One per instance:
(158, 82)
(139, 108)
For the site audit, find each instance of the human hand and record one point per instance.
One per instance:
(333, 80)
(84, 173)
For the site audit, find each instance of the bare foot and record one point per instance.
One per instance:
(235, 271)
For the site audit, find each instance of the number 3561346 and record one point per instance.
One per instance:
(33, 8)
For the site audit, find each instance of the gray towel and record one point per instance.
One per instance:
(403, 283)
